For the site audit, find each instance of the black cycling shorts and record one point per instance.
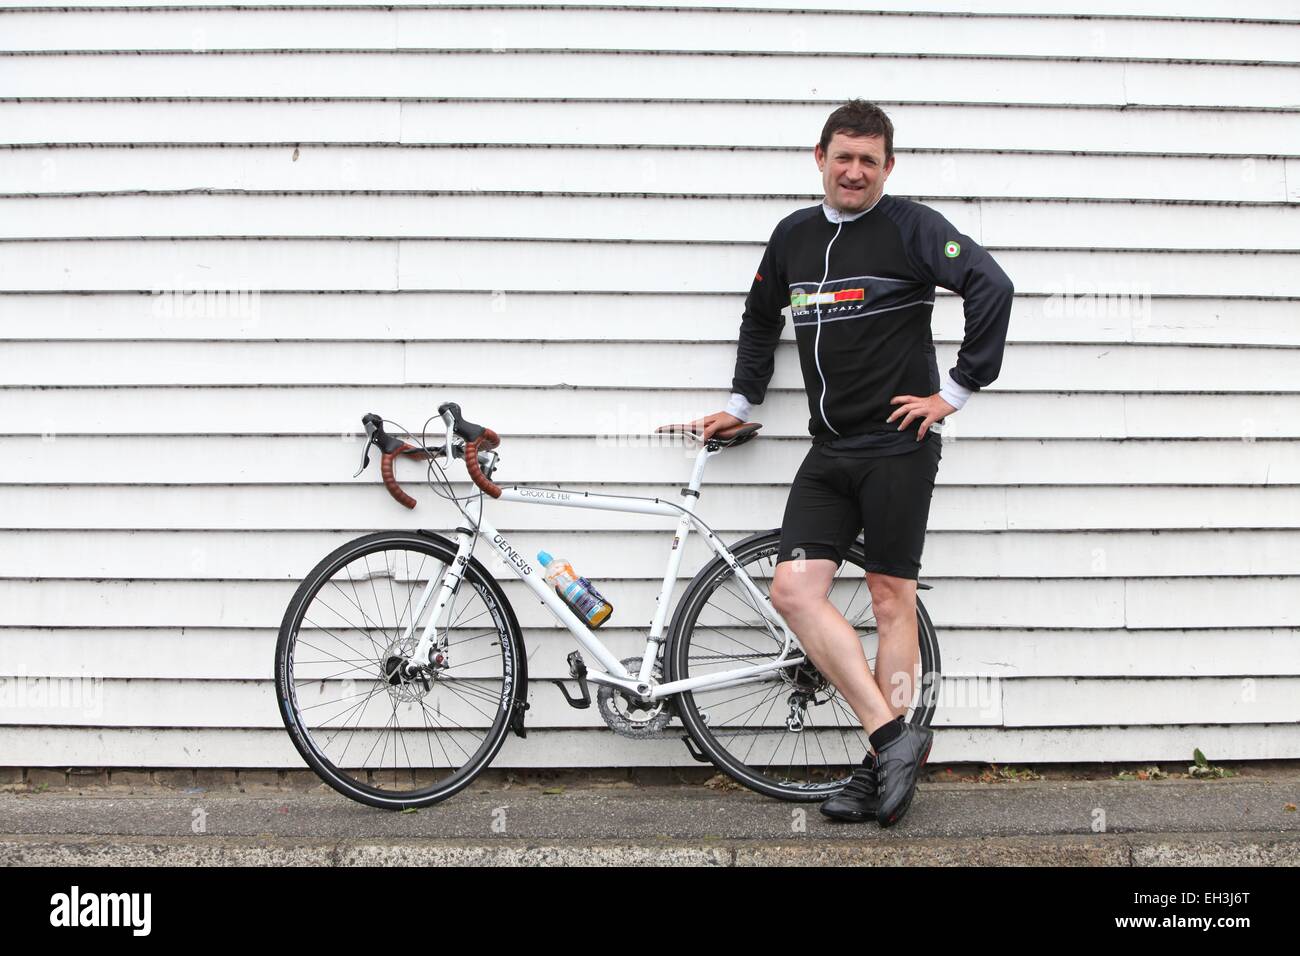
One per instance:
(832, 498)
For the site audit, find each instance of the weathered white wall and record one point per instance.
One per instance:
(413, 202)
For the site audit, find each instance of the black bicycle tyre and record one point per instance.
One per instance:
(504, 620)
(676, 651)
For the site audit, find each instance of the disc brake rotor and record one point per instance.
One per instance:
(406, 683)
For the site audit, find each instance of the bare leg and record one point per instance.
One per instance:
(893, 601)
(799, 593)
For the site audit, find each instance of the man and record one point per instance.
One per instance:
(858, 272)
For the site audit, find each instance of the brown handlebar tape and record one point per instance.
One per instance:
(489, 440)
(390, 480)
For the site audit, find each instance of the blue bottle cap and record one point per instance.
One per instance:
(543, 557)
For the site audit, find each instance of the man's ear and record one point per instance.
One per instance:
(819, 155)
(889, 166)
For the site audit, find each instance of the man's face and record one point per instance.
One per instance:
(853, 170)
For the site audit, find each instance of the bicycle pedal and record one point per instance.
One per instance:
(577, 666)
(578, 671)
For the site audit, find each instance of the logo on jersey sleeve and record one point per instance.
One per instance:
(952, 250)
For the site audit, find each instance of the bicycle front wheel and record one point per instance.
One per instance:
(791, 736)
(370, 729)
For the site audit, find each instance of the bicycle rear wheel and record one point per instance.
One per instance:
(372, 732)
(744, 729)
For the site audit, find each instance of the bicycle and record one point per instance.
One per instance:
(463, 687)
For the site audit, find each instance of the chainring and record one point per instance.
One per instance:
(629, 717)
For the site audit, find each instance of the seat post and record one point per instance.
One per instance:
(697, 473)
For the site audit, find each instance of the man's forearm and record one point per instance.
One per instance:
(756, 353)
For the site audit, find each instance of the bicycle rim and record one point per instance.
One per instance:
(743, 729)
(371, 733)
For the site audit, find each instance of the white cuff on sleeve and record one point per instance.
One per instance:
(952, 393)
(739, 406)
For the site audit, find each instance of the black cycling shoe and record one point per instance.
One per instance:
(857, 801)
(898, 765)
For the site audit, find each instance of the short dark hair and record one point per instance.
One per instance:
(859, 118)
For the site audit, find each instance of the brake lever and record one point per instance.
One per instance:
(365, 460)
(370, 440)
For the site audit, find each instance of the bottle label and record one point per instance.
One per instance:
(583, 598)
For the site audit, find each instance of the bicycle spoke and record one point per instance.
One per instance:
(356, 603)
(854, 596)
(410, 593)
(852, 718)
(429, 736)
(720, 703)
(472, 690)
(371, 578)
(743, 601)
(756, 736)
(364, 632)
(458, 621)
(753, 650)
(401, 738)
(434, 732)
(770, 693)
(441, 717)
(358, 709)
(326, 703)
(377, 739)
(474, 637)
(826, 760)
(341, 660)
(467, 663)
(466, 699)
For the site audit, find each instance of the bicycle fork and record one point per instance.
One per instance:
(446, 585)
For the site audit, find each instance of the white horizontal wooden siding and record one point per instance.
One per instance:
(1257, 10)
(227, 233)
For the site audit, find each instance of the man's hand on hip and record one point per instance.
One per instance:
(930, 408)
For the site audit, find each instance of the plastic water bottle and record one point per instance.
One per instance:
(576, 592)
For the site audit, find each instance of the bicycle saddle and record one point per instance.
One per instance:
(725, 438)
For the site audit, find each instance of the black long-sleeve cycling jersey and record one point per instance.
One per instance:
(860, 288)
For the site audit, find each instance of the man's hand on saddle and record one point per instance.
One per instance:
(929, 409)
(710, 425)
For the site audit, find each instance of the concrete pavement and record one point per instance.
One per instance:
(1245, 820)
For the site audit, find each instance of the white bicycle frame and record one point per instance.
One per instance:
(614, 673)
